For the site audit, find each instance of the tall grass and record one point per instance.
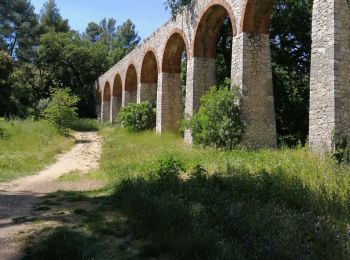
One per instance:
(29, 147)
(168, 200)
(267, 204)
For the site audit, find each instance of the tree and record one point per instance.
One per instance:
(6, 67)
(176, 5)
(61, 110)
(72, 61)
(290, 35)
(93, 32)
(126, 39)
(51, 19)
(108, 30)
(18, 29)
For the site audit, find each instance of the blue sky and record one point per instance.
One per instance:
(148, 15)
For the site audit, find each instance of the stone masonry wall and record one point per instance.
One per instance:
(251, 70)
(330, 81)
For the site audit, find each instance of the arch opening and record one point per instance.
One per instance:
(116, 96)
(98, 98)
(130, 90)
(149, 78)
(173, 84)
(256, 16)
(106, 103)
(212, 54)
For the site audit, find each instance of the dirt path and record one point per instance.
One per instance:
(18, 197)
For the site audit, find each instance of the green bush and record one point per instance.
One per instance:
(85, 125)
(138, 117)
(62, 243)
(4, 134)
(218, 122)
(62, 109)
(169, 168)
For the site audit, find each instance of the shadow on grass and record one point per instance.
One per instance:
(85, 125)
(235, 215)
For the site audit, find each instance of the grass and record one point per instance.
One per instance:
(209, 204)
(28, 147)
(85, 125)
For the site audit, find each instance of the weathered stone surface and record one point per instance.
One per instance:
(151, 71)
(330, 78)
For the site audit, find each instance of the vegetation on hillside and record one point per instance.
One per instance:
(41, 51)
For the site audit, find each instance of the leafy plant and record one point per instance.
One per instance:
(4, 134)
(62, 109)
(218, 122)
(169, 168)
(138, 117)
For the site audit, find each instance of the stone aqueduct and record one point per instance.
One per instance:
(152, 70)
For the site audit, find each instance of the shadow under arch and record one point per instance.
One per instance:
(149, 77)
(170, 102)
(106, 102)
(130, 86)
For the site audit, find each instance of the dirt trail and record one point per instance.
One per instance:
(18, 197)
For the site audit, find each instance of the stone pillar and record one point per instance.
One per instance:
(169, 102)
(147, 92)
(105, 111)
(200, 77)
(252, 72)
(114, 105)
(98, 112)
(129, 97)
(330, 78)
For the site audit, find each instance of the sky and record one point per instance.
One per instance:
(147, 15)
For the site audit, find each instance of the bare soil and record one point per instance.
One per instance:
(18, 197)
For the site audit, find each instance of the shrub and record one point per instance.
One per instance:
(169, 168)
(138, 117)
(85, 125)
(218, 122)
(4, 134)
(62, 109)
(62, 243)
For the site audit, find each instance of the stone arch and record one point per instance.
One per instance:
(170, 105)
(256, 16)
(106, 102)
(149, 77)
(202, 68)
(176, 44)
(117, 93)
(208, 27)
(130, 87)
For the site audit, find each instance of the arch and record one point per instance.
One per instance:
(149, 77)
(117, 86)
(172, 54)
(117, 93)
(131, 78)
(130, 87)
(106, 102)
(170, 107)
(98, 96)
(106, 92)
(256, 16)
(208, 28)
(149, 68)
